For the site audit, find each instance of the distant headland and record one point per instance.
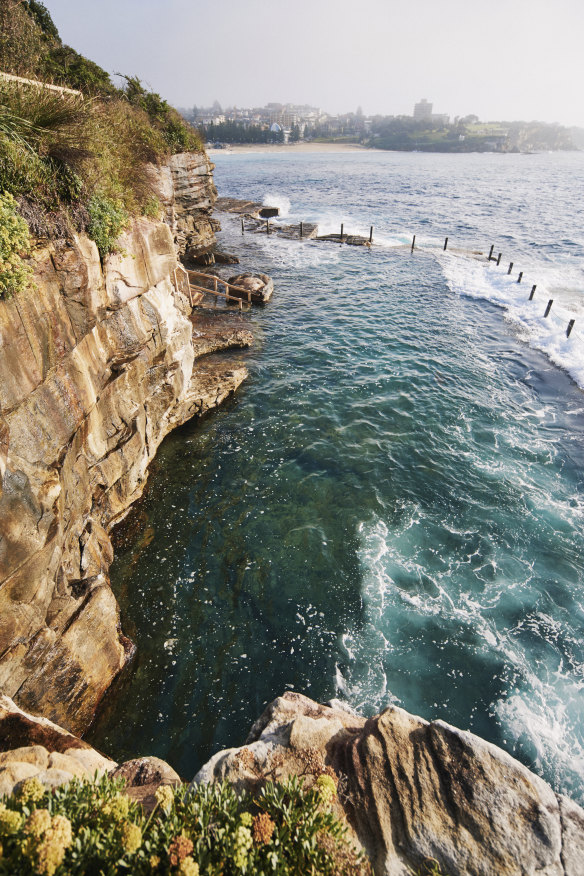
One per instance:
(423, 131)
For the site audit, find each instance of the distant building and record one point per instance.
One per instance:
(423, 111)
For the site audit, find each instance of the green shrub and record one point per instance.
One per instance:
(107, 219)
(60, 151)
(152, 208)
(178, 134)
(42, 16)
(15, 275)
(93, 828)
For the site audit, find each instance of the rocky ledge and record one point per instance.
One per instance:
(411, 790)
(98, 362)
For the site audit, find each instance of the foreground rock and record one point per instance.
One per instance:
(32, 746)
(412, 790)
(259, 286)
(97, 364)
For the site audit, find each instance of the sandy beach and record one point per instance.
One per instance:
(243, 148)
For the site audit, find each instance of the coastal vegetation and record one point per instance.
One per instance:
(14, 244)
(92, 827)
(75, 160)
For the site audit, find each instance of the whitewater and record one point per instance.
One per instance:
(391, 510)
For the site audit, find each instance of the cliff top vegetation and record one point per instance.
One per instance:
(63, 154)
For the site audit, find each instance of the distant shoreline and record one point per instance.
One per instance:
(243, 148)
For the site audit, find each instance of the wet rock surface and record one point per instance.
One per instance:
(413, 790)
(244, 208)
(257, 287)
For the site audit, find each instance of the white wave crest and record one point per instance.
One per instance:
(276, 199)
(467, 276)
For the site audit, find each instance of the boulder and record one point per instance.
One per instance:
(34, 746)
(412, 790)
(260, 286)
(144, 775)
(225, 258)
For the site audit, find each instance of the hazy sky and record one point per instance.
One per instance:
(504, 59)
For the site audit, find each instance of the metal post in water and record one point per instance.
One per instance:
(445, 244)
(491, 251)
(549, 307)
(570, 327)
(242, 224)
(413, 243)
(510, 267)
(371, 234)
(520, 277)
(342, 227)
(532, 293)
(301, 229)
(499, 259)
(267, 226)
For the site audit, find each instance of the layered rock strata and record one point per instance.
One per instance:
(187, 192)
(97, 365)
(413, 790)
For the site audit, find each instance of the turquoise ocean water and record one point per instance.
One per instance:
(391, 509)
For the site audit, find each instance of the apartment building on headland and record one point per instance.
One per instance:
(423, 113)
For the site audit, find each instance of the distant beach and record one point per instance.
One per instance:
(242, 148)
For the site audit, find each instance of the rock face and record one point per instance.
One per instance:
(97, 365)
(412, 790)
(186, 189)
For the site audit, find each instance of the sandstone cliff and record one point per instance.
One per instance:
(187, 192)
(97, 365)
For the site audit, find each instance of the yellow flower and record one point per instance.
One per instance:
(188, 867)
(242, 844)
(31, 791)
(62, 831)
(50, 849)
(131, 837)
(165, 797)
(246, 819)
(37, 823)
(326, 788)
(10, 821)
(118, 808)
